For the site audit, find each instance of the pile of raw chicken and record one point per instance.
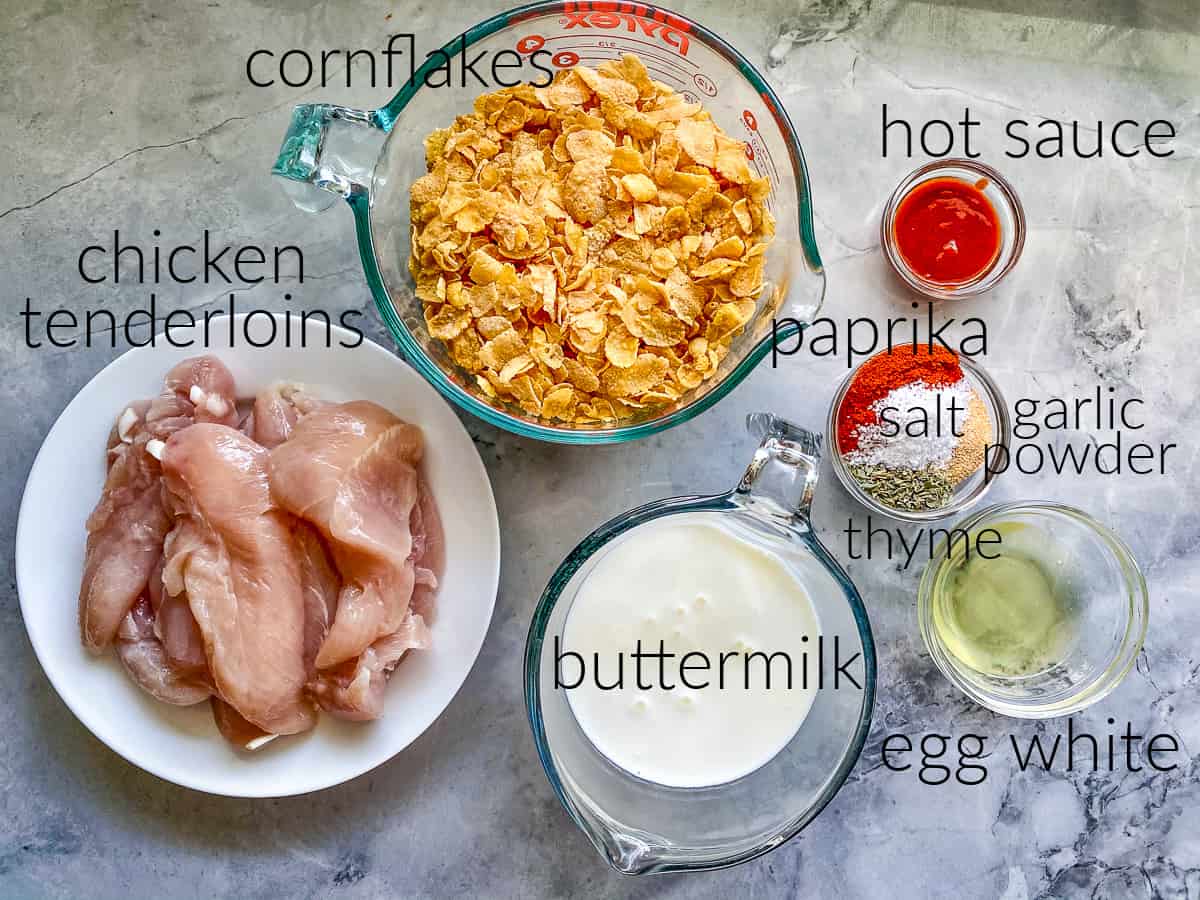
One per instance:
(272, 558)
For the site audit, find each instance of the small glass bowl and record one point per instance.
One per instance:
(1111, 602)
(968, 492)
(1008, 211)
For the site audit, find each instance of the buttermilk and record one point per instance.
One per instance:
(858, 338)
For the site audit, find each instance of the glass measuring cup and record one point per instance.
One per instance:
(371, 157)
(642, 827)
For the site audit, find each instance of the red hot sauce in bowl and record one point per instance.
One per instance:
(947, 231)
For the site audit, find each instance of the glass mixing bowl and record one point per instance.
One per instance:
(643, 827)
(1108, 607)
(371, 157)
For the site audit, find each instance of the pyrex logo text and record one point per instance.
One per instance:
(670, 36)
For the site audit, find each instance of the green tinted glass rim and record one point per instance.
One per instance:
(386, 117)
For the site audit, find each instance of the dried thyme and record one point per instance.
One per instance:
(908, 489)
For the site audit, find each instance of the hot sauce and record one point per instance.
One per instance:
(947, 230)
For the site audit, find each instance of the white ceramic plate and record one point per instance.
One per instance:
(182, 744)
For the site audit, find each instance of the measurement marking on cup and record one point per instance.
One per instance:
(766, 153)
(626, 40)
(665, 60)
(668, 76)
(758, 147)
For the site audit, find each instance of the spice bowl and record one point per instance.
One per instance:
(965, 493)
(1077, 653)
(1009, 225)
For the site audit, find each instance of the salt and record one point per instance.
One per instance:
(891, 446)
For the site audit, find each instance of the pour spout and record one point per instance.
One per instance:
(782, 477)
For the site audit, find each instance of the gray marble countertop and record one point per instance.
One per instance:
(137, 115)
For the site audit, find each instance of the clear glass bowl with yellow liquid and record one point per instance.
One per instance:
(1033, 610)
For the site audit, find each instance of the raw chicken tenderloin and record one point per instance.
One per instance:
(235, 729)
(371, 528)
(351, 470)
(208, 386)
(127, 527)
(125, 538)
(428, 553)
(354, 690)
(276, 411)
(148, 659)
(321, 585)
(273, 416)
(176, 627)
(233, 554)
(141, 653)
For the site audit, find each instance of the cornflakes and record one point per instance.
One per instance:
(588, 250)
